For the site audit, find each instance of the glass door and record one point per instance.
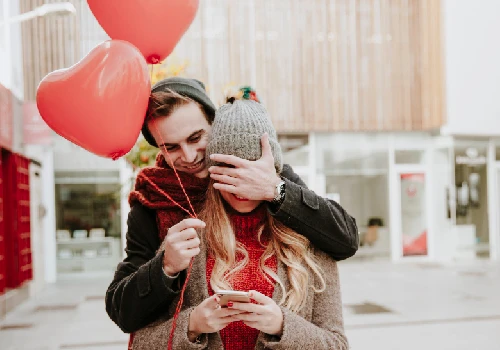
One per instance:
(413, 213)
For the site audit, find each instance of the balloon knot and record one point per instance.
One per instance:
(154, 59)
(116, 155)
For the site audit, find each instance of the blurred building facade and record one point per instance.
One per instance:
(385, 106)
(88, 193)
(20, 190)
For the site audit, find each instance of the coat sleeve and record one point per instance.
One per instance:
(324, 222)
(156, 335)
(325, 331)
(140, 291)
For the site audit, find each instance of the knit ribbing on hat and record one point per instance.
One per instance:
(237, 130)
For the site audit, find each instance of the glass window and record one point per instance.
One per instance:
(352, 154)
(413, 214)
(295, 149)
(472, 195)
(356, 175)
(409, 157)
(83, 207)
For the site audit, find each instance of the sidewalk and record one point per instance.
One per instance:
(386, 306)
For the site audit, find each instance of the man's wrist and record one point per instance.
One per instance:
(272, 192)
(170, 274)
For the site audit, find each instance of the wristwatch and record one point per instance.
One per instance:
(279, 194)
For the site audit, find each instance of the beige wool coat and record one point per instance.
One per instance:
(319, 325)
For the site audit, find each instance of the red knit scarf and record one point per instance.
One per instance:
(167, 212)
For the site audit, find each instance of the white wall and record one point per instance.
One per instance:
(70, 157)
(45, 155)
(472, 66)
(4, 45)
(11, 63)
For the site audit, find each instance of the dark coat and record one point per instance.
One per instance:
(140, 292)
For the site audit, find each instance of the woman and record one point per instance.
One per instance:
(295, 288)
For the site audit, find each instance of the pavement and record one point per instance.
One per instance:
(386, 306)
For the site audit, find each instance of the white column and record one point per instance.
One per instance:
(49, 221)
(493, 209)
(313, 175)
(394, 203)
(126, 183)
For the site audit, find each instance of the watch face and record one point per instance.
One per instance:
(280, 191)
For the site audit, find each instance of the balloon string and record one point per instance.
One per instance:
(155, 186)
(192, 214)
(181, 299)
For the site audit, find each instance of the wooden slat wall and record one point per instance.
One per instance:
(323, 65)
(318, 65)
(49, 43)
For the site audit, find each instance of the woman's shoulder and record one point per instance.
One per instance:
(324, 260)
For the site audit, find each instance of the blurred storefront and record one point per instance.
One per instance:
(415, 196)
(91, 210)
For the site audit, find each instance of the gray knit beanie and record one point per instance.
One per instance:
(191, 88)
(237, 130)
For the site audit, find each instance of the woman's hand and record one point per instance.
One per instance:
(209, 317)
(266, 315)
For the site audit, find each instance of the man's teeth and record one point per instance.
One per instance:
(194, 166)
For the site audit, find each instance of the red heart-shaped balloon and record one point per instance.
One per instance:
(100, 102)
(154, 26)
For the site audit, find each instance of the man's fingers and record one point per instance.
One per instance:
(222, 170)
(190, 253)
(185, 235)
(188, 244)
(224, 179)
(228, 159)
(266, 147)
(227, 188)
(187, 223)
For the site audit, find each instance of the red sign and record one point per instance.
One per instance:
(35, 130)
(6, 116)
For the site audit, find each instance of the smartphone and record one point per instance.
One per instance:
(232, 295)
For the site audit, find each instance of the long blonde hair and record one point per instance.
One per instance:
(291, 248)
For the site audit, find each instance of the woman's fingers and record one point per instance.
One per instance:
(248, 307)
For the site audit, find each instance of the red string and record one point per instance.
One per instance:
(155, 186)
(181, 299)
(176, 174)
(193, 215)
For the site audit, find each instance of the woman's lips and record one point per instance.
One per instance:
(240, 199)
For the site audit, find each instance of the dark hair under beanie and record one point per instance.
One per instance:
(191, 88)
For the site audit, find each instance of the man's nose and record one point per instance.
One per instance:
(188, 154)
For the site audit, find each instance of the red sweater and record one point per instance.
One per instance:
(237, 335)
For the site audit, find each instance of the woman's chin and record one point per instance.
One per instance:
(243, 205)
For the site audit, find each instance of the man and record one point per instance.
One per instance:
(179, 121)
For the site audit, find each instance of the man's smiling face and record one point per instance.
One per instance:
(184, 134)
